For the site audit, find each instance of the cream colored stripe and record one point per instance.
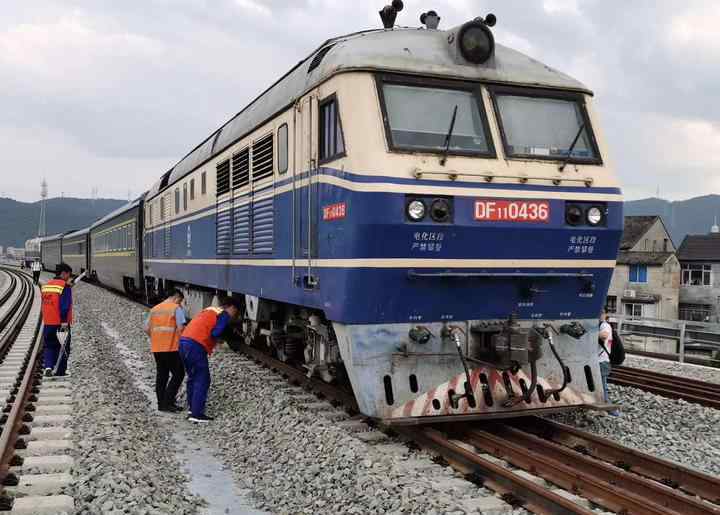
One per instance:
(418, 189)
(113, 254)
(400, 263)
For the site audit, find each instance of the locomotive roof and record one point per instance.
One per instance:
(51, 238)
(77, 233)
(119, 211)
(407, 50)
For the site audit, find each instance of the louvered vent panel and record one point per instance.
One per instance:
(262, 158)
(241, 169)
(223, 177)
(319, 57)
(223, 228)
(241, 226)
(263, 223)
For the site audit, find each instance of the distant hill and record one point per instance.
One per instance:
(19, 220)
(682, 217)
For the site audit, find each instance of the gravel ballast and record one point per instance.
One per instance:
(123, 463)
(286, 457)
(689, 370)
(675, 430)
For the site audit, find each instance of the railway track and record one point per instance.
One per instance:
(20, 381)
(673, 387)
(545, 466)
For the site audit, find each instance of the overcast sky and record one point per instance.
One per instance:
(110, 94)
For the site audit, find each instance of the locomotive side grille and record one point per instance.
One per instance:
(241, 226)
(263, 224)
(223, 217)
(241, 169)
(223, 177)
(262, 158)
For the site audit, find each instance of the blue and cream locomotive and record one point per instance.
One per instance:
(424, 211)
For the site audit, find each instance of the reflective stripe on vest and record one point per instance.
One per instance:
(200, 328)
(51, 301)
(164, 336)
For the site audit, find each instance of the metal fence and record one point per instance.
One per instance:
(692, 338)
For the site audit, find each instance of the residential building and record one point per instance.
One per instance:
(646, 280)
(699, 257)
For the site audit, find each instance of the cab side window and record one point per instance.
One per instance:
(331, 140)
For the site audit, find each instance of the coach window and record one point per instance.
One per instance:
(331, 140)
(192, 189)
(185, 197)
(548, 125)
(282, 138)
(434, 116)
(203, 183)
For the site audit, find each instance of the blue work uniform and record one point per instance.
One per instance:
(195, 354)
(52, 344)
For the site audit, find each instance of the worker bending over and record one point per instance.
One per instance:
(57, 316)
(164, 325)
(197, 342)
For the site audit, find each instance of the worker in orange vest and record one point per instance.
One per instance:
(57, 315)
(197, 342)
(164, 325)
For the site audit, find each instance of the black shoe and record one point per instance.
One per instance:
(175, 408)
(202, 419)
(48, 372)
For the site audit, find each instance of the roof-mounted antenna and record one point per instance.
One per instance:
(388, 14)
(430, 19)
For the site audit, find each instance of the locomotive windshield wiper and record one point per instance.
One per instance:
(448, 137)
(572, 147)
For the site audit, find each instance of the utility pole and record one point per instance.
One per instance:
(42, 228)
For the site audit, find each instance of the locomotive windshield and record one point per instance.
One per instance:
(537, 127)
(419, 118)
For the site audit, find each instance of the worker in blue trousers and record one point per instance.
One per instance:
(57, 317)
(197, 342)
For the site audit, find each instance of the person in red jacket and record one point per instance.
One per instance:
(197, 342)
(57, 315)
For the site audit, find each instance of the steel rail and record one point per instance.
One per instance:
(684, 381)
(668, 473)
(511, 486)
(23, 391)
(329, 391)
(622, 491)
(9, 290)
(672, 387)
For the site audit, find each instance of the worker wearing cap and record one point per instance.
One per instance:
(57, 315)
(197, 342)
(164, 325)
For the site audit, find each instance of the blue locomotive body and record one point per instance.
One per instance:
(436, 225)
(435, 271)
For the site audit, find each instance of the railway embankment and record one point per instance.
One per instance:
(279, 449)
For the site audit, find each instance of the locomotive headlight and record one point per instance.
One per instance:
(476, 42)
(573, 214)
(416, 210)
(440, 210)
(594, 215)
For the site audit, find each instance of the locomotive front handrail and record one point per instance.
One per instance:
(453, 175)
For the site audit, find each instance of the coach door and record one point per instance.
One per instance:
(305, 194)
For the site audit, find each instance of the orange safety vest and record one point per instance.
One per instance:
(164, 336)
(51, 293)
(200, 328)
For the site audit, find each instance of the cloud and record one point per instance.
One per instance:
(113, 93)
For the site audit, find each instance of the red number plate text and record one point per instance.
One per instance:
(334, 211)
(512, 211)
